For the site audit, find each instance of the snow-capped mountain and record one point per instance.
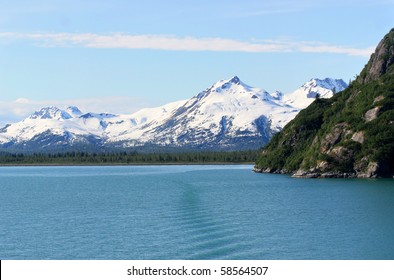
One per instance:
(304, 96)
(220, 116)
(229, 115)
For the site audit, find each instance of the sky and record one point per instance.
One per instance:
(122, 55)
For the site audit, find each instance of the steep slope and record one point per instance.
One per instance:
(381, 61)
(229, 115)
(349, 135)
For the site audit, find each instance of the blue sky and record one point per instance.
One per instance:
(122, 55)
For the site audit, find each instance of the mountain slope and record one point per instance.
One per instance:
(349, 135)
(307, 93)
(229, 115)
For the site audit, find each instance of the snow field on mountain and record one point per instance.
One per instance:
(229, 109)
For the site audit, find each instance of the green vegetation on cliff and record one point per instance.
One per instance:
(351, 134)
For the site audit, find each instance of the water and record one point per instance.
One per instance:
(190, 212)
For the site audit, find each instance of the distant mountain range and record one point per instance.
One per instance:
(229, 115)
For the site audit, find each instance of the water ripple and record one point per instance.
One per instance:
(204, 235)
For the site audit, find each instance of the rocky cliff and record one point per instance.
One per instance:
(348, 135)
(381, 60)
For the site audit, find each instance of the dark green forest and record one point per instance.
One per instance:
(84, 158)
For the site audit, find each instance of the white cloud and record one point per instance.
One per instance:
(323, 48)
(14, 111)
(174, 43)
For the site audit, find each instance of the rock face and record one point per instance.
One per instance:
(337, 133)
(380, 61)
(359, 137)
(349, 135)
(372, 114)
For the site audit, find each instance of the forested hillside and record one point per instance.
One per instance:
(348, 135)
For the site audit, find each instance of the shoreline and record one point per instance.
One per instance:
(319, 175)
(124, 164)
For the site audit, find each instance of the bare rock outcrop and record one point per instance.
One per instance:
(380, 61)
(372, 114)
(359, 137)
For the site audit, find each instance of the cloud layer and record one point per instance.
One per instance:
(175, 43)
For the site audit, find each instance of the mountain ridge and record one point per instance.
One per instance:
(229, 115)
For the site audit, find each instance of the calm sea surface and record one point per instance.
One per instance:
(190, 212)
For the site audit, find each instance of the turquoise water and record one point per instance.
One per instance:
(190, 212)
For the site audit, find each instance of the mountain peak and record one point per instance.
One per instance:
(51, 112)
(233, 87)
(306, 94)
(224, 85)
(328, 83)
(381, 61)
(235, 80)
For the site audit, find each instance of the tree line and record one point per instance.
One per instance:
(70, 158)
